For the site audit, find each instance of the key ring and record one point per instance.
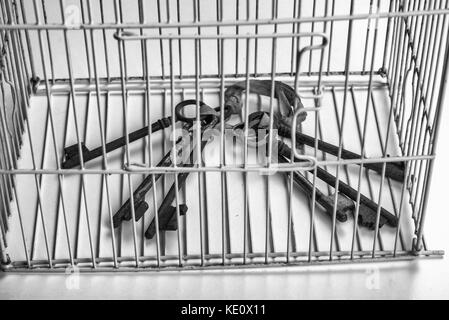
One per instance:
(207, 114)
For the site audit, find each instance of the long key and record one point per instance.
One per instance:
(72, 157)
(344, 205)
(394, 171)
(165, 214)
(368, 209)
(124, 213)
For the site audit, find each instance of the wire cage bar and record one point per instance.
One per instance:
(88, 81)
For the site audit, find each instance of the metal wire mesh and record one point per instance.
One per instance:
(371, 74)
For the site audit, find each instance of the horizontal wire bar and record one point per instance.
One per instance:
(230, 23)
(138, 169)
(387, 255)
(209, 85)
(128, 36)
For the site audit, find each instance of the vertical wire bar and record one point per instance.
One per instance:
(413, 120)
(123, 156)
(268, 226)
(313, 205)
(394, 39)
(363, 147)
(11, 157)
(431, 103)
(322, 52)
(368, 33)
(334, 98)
(50, 51)
(398, 59)
(245, 156)
(38, 187)
(417, 72)
(86, 42)
(379, 202)
(105, 43)
(237, 32)
(410, 48)
(4, 219)
(198, 149)
(383, 147)
(23, 63)
(347, 63)
(436, 128)
(161, 43)
(219, 17)
(5, 210)
(118, 9)
(198, 19)
(440, 51)
(296, 29)
(398, 229)
(7, 70)
(355, 233)
(422, 101)
(144, 55)
(6, 182)
(256, 41)
(123, 78)
(20, 103)
(425, 100)
(178, 15)
(274, 13)
(420, 84)
(60, 203)
(174, 151)
(10, 80)
(387, 39)
(42, 165)
(201, 175)
(312, 38)
(6, 187)
(3, 256)
(359, 131)
(17, 72)
(77, 130)
(292, 55)
(103, 142)
(9, 77)
(50, 119)
(165, 146)
(226, 236)
(184, 199)
(363, 138)
(225, 245)
(29, 47)
(7, 153)
(402, 69)
(317, 124)
(150, 143)
(331, 38)
(433, 32)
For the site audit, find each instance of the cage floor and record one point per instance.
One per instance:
(78, 218)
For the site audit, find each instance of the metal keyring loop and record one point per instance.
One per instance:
(180, 117)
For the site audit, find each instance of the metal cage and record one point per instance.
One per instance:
(372, 77)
